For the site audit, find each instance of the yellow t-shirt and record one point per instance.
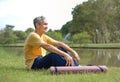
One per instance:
(32, 48)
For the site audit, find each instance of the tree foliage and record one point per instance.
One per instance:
(20, 35)
(55, 34)
(99, 18)
(29, 30)
(7, 35)
(82, 37)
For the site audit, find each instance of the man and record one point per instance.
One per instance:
(38, 42)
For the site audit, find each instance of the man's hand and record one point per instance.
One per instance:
(67, 48)
(69, 60)
(76, 56)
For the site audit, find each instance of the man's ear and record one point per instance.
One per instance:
(37, 24)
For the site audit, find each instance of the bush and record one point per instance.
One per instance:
(83, 37)
(55, 35)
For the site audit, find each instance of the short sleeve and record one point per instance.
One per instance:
(34, 40)
(49, 40)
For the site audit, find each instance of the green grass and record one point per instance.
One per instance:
(12, 69)
(107, 45)
(15, 44)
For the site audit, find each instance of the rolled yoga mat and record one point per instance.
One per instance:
(77, 69)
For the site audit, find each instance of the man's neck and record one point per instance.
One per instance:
(38, 32)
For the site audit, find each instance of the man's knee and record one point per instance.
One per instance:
(54, 55)
(62, 49)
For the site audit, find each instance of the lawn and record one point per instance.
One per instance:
(96, 46)
(12, 69)
(105, 45)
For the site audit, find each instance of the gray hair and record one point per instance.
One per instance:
(38, 19)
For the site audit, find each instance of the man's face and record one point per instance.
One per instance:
(43, 26)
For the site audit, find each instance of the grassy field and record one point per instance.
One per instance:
(107, 45)
(12, 69)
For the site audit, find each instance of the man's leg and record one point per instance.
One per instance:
(51, 59)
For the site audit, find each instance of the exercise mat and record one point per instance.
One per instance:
(77, 69)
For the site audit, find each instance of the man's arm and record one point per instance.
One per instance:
(66, 47)
(51, 48)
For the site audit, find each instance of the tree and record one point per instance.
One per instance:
(66, 28)
(56, 35)
(1, 36)
(21, 36)
(8, 35)
(29, 30)
(100, 15)
(83, 37)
